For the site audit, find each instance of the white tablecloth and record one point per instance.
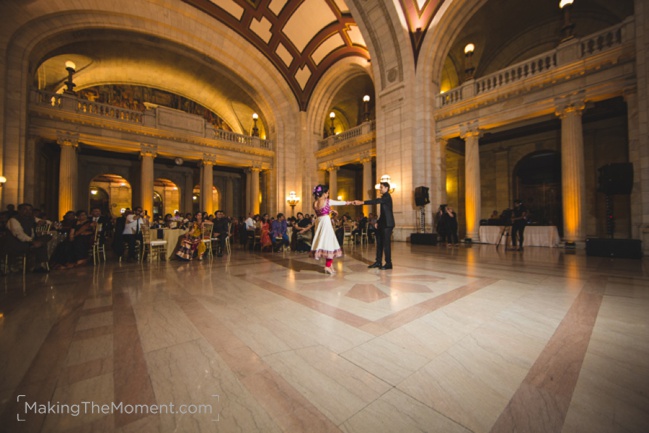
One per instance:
(535, 236)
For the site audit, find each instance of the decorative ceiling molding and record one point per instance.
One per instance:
(301, 38)
(418, 18)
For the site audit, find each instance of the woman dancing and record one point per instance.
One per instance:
(325, 243)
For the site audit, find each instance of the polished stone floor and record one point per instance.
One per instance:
(451, 340)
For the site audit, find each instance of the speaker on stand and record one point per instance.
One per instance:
(421, 237)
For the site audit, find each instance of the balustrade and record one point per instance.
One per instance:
(96, 109)
(590, 45)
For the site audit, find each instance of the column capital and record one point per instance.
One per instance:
(67, 139)
(630, 92)
(208, 159)
(254, 169)
(571, 103)
(147, 149)
(365, 157)
(470, 129)
(332, 167)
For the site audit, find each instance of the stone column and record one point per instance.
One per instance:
(207, 184)
(249, 205)
(254, 189)
(573, 185)
(333, 181)
(229, 196)
(368, 184)
(147, 153)
(473, 203)
(67, 173)
(188, 202)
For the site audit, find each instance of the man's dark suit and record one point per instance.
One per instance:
(384, 232)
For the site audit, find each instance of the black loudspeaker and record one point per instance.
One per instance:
(421, 196)
(619, 248)
(616, 178)
(423, 238)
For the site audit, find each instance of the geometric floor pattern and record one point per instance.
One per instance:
(468, 339)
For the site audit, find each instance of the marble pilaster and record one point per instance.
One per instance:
(207, 183)
(229, 196)
(254, 189)
(147, 153)
(67, 172)
(368, 185)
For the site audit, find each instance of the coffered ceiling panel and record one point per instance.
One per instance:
(301, 38)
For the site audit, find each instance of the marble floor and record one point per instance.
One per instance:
(469, 339)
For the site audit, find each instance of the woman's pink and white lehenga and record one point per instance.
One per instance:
(324, 243)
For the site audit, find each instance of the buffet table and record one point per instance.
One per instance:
(535, 236)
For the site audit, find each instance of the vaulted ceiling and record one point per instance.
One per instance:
(303, 38)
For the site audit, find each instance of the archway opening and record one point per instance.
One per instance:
(537, 181)
(111, 193)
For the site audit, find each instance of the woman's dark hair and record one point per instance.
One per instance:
(319, 190)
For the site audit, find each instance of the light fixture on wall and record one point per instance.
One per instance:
(366, 108)
(71, 68)
(386, 178)
(568, 25)
(255, 130)
(94, 191)
(3, 180)
(332, 128)
(292, 201)
(469, 69)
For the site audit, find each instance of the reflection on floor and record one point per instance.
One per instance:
(451, 340)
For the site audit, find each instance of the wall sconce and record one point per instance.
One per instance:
(386, 178)
(366, 108)
(469, 70)
(292, 201)
(3, 180)
(255, 130)
(71, 68)
(332, 128)
(93, 191)
(568, 25)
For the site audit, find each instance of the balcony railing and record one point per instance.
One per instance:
(589, 46)
(106, 111)
(357, 131)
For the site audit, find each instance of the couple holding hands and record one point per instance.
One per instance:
(325, 243)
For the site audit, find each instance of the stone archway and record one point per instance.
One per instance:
(536, 180)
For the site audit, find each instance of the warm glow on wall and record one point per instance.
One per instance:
(470, 222)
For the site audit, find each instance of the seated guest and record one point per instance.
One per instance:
(221, 224)
(279, 233)
(82, 238)
(192, 243)
(169, 222)
(250, 229)
(371, 226)
(304, 233)
(21, 237)
(105, 221)
(63, 257)
(361, 226)
(266, 241)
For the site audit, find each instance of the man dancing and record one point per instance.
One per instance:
(384, 227)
